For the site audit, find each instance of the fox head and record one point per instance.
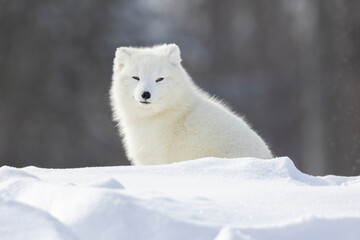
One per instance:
(151, 79)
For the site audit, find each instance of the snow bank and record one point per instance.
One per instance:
(222, 199)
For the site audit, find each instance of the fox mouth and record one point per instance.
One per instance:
(145, 102)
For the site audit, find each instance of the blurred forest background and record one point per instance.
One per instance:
(292, 67)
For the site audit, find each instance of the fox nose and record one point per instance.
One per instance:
(146, 95)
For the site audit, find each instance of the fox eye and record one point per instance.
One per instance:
(136, 78)
(159, 79)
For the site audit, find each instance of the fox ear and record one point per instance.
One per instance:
(122, 54)
(174, 53)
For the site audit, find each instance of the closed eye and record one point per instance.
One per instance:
(136, 78)
(159, 79)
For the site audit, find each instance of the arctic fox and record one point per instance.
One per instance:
(164, 117)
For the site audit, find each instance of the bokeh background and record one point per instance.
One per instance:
(292, 67)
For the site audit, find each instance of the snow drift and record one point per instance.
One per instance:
(222, 199)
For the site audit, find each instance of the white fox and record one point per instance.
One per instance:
(164, 117)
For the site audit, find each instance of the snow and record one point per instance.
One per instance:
(209, 198)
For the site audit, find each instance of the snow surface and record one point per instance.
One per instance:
(209, 198)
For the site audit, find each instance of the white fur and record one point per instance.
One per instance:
(181, 122)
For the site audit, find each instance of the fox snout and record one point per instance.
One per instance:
(145, 97)
(144, 93)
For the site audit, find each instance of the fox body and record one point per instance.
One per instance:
(164, 117)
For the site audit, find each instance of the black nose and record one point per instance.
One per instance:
(146, 95)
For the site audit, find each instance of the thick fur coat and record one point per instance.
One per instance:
(164, 117)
